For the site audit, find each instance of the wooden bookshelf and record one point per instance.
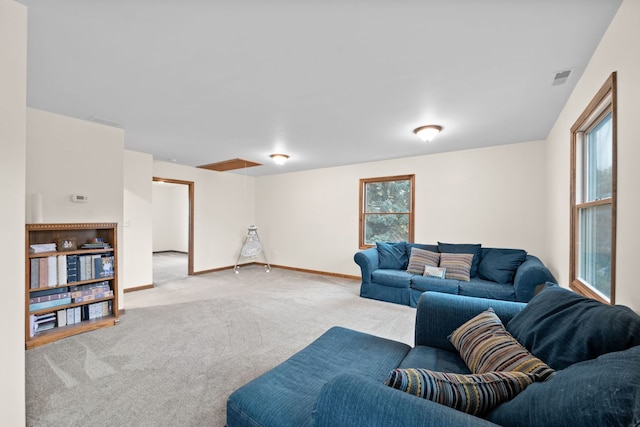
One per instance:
(85, 286)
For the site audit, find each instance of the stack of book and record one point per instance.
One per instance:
(41, 322)
(48, 298)
(42, 247)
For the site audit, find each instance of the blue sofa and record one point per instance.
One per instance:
(503, 274)
(339, 379)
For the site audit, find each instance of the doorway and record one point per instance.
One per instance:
(172, 229)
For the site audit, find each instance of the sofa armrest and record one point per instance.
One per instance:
(368, 262)
(439, 314)
(350, 400)
(530, 275)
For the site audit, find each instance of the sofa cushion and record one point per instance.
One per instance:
(426, 247)
(292, 387)
(435, 284)
(464, 248)
(485, 289)
(500, 265)
(473, 394)
(563, 327)
(434, 359)
(421, 258)
(598, 392)
(392, 278)
(486, 346)
(392, 255)
(458, 266)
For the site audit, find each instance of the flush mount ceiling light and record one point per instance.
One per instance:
(279, 158)
(427, 133)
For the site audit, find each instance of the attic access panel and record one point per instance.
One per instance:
(229, 165)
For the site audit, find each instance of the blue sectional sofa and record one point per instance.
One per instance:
(504, 274)
(341, 378)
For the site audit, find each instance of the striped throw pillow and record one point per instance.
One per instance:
(474, 394)
(420, 258)
(458, 266)
(485, 346)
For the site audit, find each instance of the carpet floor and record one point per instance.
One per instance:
(185, 345)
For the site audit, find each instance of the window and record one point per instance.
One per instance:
(593, 197)
(386, 209)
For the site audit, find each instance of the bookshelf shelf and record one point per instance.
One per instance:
(69, 291)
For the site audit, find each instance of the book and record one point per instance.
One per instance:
(43, 281)
(62, 318)
(93, 296)
(52, 271)
(70, 316)
(51, 297)
(35, 273)
(77, 315)
(49, 304)
(72, 268)
(62, 269)
(42, 247)
(105, 308)
(47, 291)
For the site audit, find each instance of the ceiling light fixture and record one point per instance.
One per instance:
(279, 158)
(427, 133)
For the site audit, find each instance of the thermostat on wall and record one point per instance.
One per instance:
(79, 198)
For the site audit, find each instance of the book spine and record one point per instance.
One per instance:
(49, 304)
(35, 276)
(44, 270)
(51, 297)
(52, 273)
(62, 318)
(62, 269)
(72, 268)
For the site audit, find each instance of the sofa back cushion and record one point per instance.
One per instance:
(563, 328)
(464, 248)
(500, 265)
(599, 392)
(392, 255)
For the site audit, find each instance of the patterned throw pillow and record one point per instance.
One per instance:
(438, 272)
(420, 258)
(473, 394)
(458, 265)
(485, 346)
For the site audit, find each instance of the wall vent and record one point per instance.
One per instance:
(560, 77)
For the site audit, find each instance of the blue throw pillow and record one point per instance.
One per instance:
(600, 392)
(563, 328)
(464, 248)
(392, 255)
(500, 265)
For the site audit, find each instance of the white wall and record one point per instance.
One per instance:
(68, 156)
(13, 91)
(137, 227)
(224, 206)
(494, 196)
(618, 51)
(170, 217)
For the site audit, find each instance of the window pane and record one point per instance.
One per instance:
(595, 248)
(599, 163)
(386, 228)
(388, 196)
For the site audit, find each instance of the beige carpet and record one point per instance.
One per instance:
(184, 346)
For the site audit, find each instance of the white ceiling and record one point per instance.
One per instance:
(327, 82)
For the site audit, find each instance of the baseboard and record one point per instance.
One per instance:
(284, 267)
(137, 288)
(171, 251)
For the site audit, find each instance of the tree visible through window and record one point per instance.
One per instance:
(593, 197)
(386, 209)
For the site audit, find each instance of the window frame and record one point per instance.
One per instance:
(362, 204)
(603, 103)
